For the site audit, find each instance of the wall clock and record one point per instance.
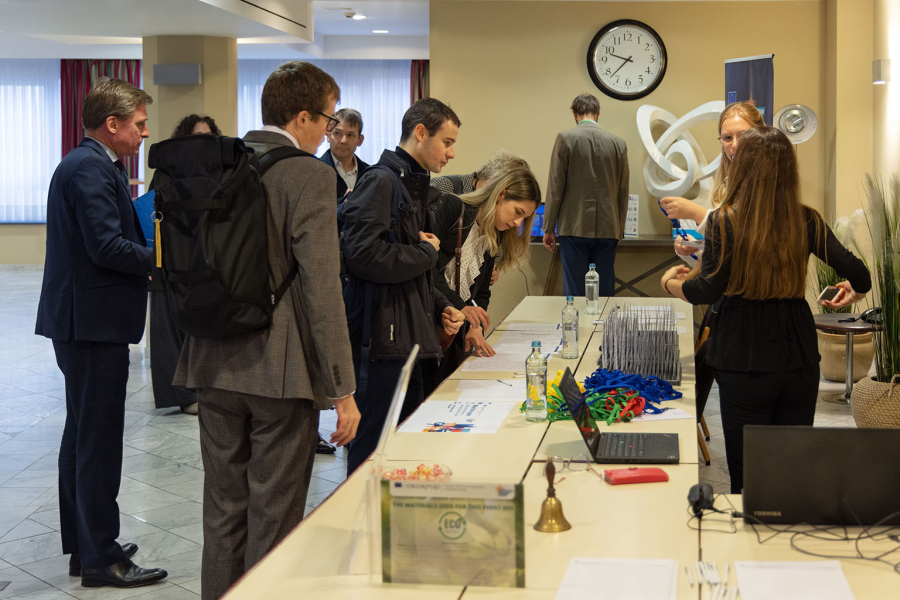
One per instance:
(627, 59)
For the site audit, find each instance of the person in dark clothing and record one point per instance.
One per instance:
(494, 221)
(166, 338)
(408, 310)
(343, 141)
(763, 348)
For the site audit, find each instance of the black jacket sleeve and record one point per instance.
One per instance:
(713, 281)
(446, 219)
(367, 219)
(830, 251)
(483, 295)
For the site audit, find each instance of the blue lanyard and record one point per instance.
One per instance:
(653, 389)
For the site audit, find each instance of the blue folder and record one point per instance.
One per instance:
(143, 206)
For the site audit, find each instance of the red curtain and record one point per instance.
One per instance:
(419, 80)
(77, 77)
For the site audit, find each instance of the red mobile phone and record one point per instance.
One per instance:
(635, 475)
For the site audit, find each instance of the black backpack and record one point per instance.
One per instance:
(211, 239)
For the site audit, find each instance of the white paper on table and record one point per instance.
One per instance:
(619, 579)
(669, 414)
(522, 326)
(800, 580)
(441, 416)
(491, 384)
(500, 362)
(506, 394)
(524, 338)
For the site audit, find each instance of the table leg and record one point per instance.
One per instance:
(849, 354)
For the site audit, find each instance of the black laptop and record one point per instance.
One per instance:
(628, 448)
(821, 475)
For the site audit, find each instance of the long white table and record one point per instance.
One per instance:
(632, 521)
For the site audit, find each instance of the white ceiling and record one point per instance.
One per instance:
(114, 28)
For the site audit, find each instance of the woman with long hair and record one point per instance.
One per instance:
(758, 242)
(490, 225)
(736, 119)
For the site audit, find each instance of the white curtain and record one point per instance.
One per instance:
(378, 89)
(31, 134)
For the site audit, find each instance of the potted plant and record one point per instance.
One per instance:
(833, 346)
(875, 401)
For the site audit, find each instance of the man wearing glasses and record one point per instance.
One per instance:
(343, 140)
(260, 393)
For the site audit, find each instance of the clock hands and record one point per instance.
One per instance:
(622, 57)
(626, 61)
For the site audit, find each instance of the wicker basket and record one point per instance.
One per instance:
(876, 404)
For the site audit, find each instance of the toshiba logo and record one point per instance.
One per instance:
(767, 513)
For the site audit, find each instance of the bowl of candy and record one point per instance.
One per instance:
(413, 472)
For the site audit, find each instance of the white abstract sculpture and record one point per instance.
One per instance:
(664, 178)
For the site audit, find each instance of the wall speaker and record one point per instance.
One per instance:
(177, 74)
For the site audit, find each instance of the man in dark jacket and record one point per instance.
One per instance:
(343, 141)
(93, 304)
(408, 310)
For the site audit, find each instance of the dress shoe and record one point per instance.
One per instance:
(323, 447)
(190, 409)
(123, 574)
(75, 560)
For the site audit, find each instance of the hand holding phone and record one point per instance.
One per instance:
(830, 294)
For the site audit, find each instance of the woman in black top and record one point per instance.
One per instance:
(763, 348)
(496, 229)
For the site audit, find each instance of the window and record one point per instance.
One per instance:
(378, 89)
(32, 137)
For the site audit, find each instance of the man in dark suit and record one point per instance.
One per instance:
(261, 392)
(343, 140)
(93, 304)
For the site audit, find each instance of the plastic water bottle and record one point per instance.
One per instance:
(536, 385)
(570, 329)
(592, 291)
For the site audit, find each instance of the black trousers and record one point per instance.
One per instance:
(760, 398)
(166, 340)
(374, 405)
(90, 454)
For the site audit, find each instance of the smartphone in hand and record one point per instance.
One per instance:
(830, 294)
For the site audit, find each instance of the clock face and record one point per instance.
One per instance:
(627, 60)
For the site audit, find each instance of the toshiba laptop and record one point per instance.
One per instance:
(630, 448)
(821, 475)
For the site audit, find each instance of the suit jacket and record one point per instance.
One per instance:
(97, 262)
(305, 352)
(328, 159)
(587, 193)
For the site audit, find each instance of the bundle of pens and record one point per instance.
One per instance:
(642, 339)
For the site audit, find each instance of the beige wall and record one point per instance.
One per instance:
(23, 244)
(886, 118)
(216, 96)
(511, 70)
(848, 116)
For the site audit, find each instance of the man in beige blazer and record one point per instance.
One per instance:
(260, 393)
(587, 198)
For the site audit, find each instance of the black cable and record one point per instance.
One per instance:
(527, 290)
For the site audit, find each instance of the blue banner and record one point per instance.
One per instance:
(752, 79)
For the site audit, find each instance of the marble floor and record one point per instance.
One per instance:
(161, 492)
(162, 479)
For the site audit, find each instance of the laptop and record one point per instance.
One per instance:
(609, 447)
(821, 475)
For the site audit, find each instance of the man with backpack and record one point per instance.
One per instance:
(390, 252)
(260, 392)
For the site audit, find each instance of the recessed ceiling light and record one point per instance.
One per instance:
(358, 17)
(380, 31)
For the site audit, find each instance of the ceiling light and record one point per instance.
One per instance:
(380, 31)
(359, 17)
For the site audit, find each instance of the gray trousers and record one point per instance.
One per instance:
(258, 456)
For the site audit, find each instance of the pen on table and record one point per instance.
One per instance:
(504, 383)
